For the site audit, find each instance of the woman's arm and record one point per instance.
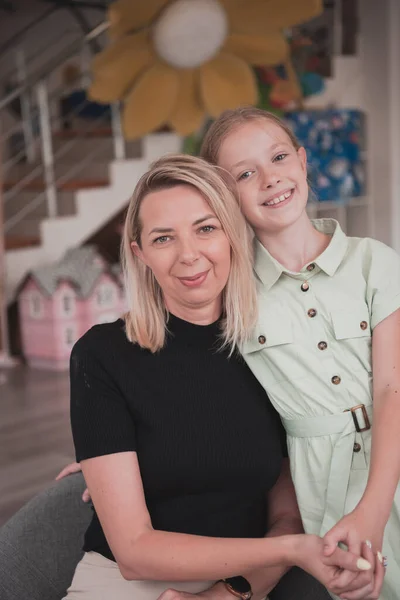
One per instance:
(143, 553)
(369, 519)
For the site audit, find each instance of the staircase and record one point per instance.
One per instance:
(63, 185)
(85, 204)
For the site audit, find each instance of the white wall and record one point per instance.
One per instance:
(380, 30)
(394, 96)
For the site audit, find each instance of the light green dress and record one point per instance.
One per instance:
(311, 351)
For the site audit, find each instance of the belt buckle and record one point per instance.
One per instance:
(365, 416)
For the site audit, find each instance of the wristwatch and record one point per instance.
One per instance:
(239, 587)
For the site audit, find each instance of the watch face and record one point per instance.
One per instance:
(239, 584)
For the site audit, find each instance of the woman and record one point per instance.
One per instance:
(323, 296)
(179, 447)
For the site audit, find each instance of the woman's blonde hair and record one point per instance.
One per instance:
(231, 120)
(146, 320)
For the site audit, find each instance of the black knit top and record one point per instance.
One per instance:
(208, 441)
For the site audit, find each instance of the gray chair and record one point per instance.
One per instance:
(40, 545)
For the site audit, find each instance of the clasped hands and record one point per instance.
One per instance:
(347, 583)
(321, 557)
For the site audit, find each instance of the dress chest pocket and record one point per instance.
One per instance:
(271, 351)
(269, 333)
(354, 323)
(352, 329)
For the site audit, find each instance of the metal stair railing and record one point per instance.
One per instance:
(43, 121)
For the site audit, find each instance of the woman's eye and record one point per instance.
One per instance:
(162, 239)
(280, 156)
(245, 175)
(207, 229)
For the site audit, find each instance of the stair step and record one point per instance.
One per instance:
(29, 227)
(16, 242)
(66, 134)
(65, 205)
(73, 185)
(77, 170)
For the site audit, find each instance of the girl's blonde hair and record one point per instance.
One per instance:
(231, 120)
(146, 320)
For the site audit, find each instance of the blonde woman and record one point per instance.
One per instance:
(179, 446)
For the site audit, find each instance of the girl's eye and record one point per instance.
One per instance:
(280, 156)
(245, 175)
(162, 239)
(207, 229)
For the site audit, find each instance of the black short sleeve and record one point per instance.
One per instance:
(282, 434)
(100, 418)
(283, 438)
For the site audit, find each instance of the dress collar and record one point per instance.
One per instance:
(269, 270)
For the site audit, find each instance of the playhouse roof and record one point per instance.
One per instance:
(78, 266)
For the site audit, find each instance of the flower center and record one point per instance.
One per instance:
(190, 32)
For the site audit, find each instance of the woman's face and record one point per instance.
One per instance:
(271, 175)
(183, 243)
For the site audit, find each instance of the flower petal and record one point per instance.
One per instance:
(126, 15)
(188, 114)
(227, 82)
(115, 69)
(270, 49)
(151, 101)
(257, 17)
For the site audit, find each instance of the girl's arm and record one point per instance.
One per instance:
(384, 474)
(369, 518)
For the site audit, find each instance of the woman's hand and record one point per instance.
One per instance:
(69, 470)
(217, 592)
(341, 573)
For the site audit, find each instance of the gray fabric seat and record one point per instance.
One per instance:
(40, 545)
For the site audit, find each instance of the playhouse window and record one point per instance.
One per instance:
(104, 295)
(67, 303)
(69, 336)
(36, 305)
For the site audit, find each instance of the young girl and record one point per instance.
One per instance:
(327, 344)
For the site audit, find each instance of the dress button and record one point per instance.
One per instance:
(311, 267)
(262, 339)
(312, 312)
(356, 447)
(305, 286)
(322, 345)
(363, 324)
(336, 380)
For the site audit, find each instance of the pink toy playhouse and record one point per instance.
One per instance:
(60, 302)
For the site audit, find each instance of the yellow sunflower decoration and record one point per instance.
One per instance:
(175, 61)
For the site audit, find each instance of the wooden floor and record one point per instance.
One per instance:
(35, 435)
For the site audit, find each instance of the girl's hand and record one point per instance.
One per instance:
(340, 572)
(69, 470)
(358, 589)
(352, 530)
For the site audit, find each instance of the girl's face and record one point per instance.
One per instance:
(271, 175)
